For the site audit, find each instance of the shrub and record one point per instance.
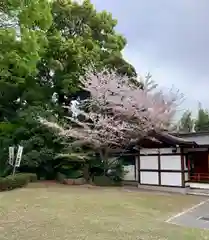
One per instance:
(70, 170)
(17, 181)
(11, 182)
(32, 177)
(105, 181)
(61, 177)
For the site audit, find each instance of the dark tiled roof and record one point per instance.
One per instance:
(165, 137)
(190, 134)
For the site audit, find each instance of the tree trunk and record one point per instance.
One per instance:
(86, 174)
(104, 157)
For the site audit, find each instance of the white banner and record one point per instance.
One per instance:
(19, 156)
(11, 155)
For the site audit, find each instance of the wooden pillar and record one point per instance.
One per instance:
(135, 165)
(182, 168)
(139, 175)
(208, 160)
(159, 168)
(188, 162)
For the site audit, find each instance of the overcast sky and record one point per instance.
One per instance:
(169, 39)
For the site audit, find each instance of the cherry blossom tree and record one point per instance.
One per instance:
(100, 132)
(117, 112)
(149, 107)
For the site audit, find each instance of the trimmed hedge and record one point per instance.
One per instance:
(32, 177)
(61, 178)
(17, 181)
(105, 181)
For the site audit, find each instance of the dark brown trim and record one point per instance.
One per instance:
(159, 168)
(135, 168)
(204, 146)
(129, 181)
(130, 154)
(182, 169)
(147, 155)
(187, 163)
(125, 154)
(162, 154)
(191, 134)
(139, 175)
(208, 159)
(164, 170)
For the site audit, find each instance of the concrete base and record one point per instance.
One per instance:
(194, 185)
(201, 189)
(163, 189)
(199, 192)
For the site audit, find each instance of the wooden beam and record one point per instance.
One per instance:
(182, 169)
(139, 173)
(159, 168)
(136, 160)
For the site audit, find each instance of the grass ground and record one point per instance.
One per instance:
(61, 212)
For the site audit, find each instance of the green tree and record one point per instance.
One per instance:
(202, 121)
(21, 42)
(79, 36)
(186, 123)
(40, 145)
(45, 47)
(23, 27)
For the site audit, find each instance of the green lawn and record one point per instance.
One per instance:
(61, 212)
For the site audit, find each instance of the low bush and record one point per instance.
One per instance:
(17, 181)
(60, 177)
(32, 177)
(105, 181)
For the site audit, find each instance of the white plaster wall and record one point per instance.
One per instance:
(149, 151)
(149, 162)
(186, 176)
(149, 178)
(170, 162)
(185, 165)
(171, 179)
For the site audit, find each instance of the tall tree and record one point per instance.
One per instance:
(202, 121)
(78, 37)
(45, 47)
(186, 123)
(22, 43)
(23, 27)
